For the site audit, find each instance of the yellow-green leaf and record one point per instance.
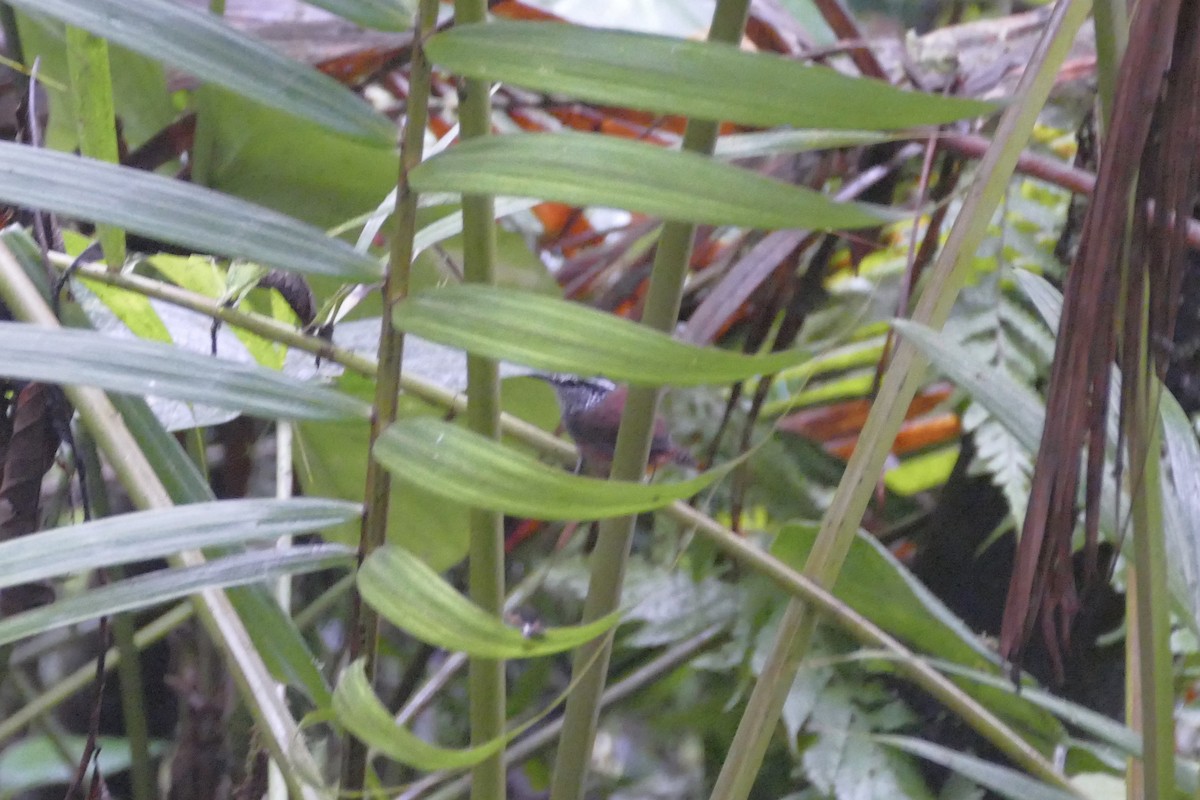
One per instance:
(414, 598)
(592, 170)
(471, 469)
(560, 336)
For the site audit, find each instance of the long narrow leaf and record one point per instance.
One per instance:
(1016, 407)
(358, 708)
(151, 368)
(180, 476)
(451, 462)
(382, 15)
(706, 80)
(1005, 781)
(142, 535)
(559, 336)
(170, 584)
(593, 170)
(201, 44)
(414, 598)
(173, 211)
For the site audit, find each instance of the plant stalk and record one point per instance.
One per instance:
(364, 629)
(609, 560)
(899, 385)
(129, 669)
(485, 578)
(1152, 662)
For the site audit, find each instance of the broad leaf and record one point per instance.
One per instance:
(143, 535)
(874, 583)
(203, 45)
(593, 170)
(707, 80)
(559, 336)
(417, 600)
(151, 368)
(173, 211)
(170, 584)
(455, 463)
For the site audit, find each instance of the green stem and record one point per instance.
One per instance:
(57, 736)
(365, 622)
(1151, 595)
(485, 578)
(129, 667)
(146, 491)
(608, 562)
(900, 383)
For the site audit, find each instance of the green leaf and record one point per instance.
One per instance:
(874, 583)
(141, 535)
(382, 15)
(332, 458)
(136, 367)
(139, 85)
(1045, 298)
(468, 468)
(91, 93)
(241, 141)
(1016, 406)
(593, 170)
(235, 286)
(1105, 729)
(358, 708)
(414, 598)
(1181, 505)
(559, 336)
(707, 80)
(170, 584)
(132, 308)
(202, 45)
(173, 211)
(1005, 781)
(179, 474)
(280, 643)
(783, 142)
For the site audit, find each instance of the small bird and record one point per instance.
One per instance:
(591, 414)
